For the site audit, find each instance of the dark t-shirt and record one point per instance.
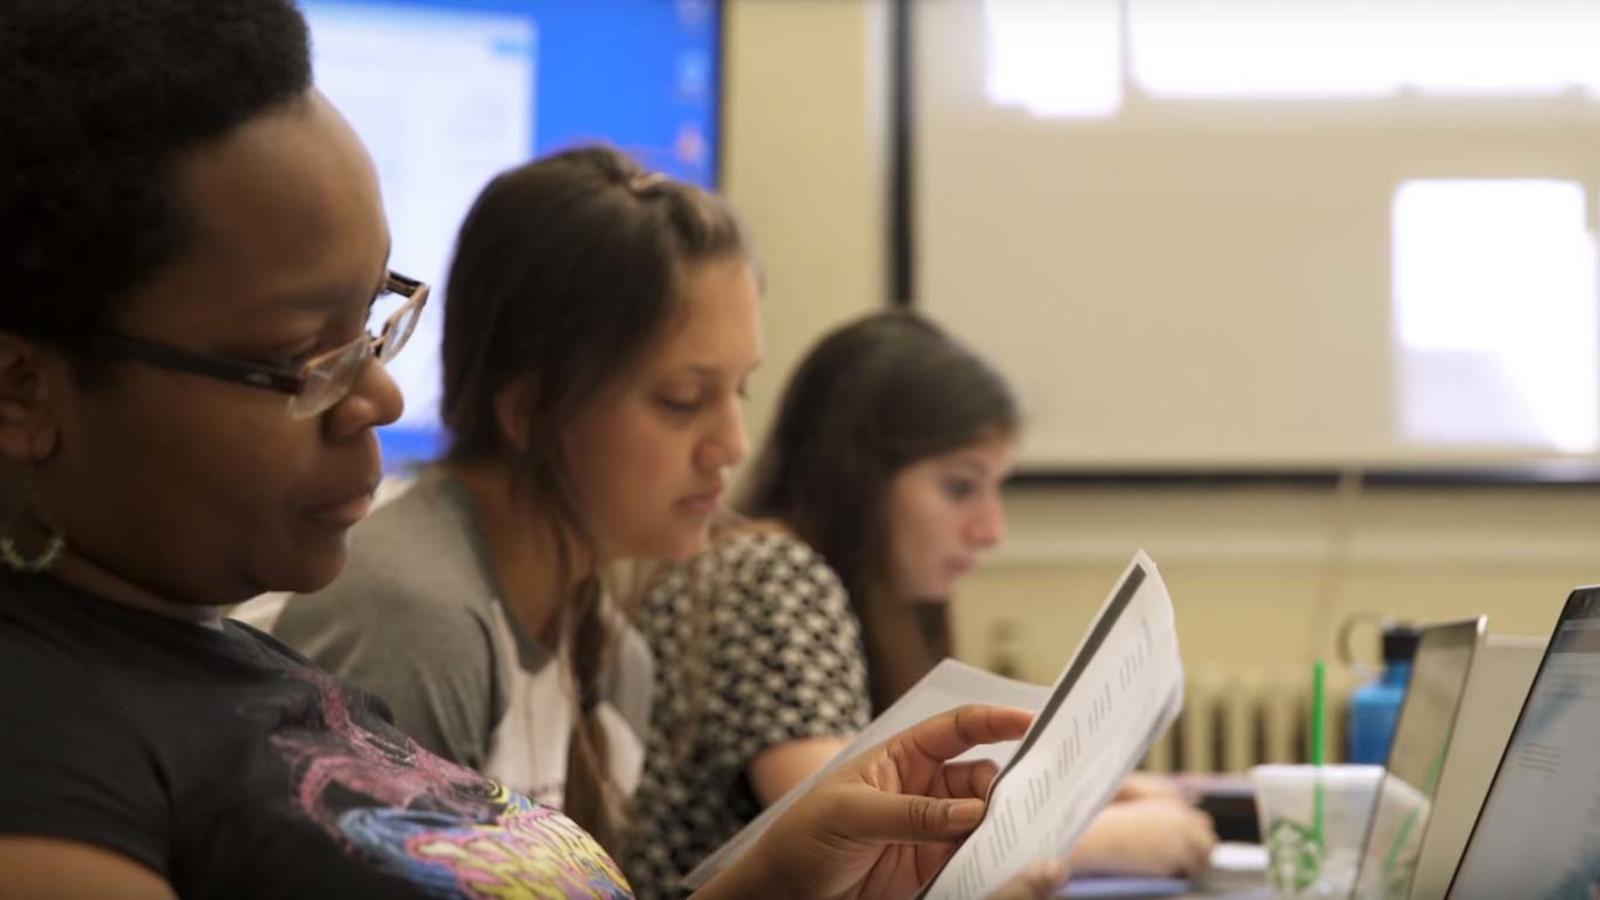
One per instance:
(230, 766)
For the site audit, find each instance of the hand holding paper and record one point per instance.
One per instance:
(949, 685)
(880, 825)
(1121, 690)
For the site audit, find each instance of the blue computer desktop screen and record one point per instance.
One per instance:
(447, 93)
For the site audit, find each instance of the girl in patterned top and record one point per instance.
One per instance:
(199, 305)
(877, 489)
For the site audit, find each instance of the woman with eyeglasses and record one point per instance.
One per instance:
(198, 305)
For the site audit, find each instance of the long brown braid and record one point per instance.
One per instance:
(568, 269)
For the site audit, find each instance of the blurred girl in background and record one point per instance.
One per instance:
(877, 490)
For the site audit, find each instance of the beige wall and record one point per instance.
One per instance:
(805, 162)
(1260, 576)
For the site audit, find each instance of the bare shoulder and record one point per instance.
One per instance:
(39, 867)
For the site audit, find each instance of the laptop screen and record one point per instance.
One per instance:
(1416, 757)
(1538, 834)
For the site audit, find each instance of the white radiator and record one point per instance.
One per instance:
(1233, 719)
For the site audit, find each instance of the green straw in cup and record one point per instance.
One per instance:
(1297, 850)
(1319, 723)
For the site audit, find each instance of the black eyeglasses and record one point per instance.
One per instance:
(318, 383)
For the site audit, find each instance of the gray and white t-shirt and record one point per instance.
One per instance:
(416, 618)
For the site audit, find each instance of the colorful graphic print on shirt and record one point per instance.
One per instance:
(440, 826)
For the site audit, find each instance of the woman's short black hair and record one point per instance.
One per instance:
(99, 99)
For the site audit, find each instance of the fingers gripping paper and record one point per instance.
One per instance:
(950, 684)
(1122, 689)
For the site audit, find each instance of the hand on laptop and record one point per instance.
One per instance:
(1143, 785)
(1155, 835)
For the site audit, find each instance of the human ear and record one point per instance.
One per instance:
(511, 405)
(28, 430)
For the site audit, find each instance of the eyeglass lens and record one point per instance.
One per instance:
(329, 379)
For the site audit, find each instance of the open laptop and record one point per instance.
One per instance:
(1417, 755)
(1502, 670)
(1537, 836)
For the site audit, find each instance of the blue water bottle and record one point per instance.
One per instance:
(1375, 706)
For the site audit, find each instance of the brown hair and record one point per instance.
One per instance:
(872, 397)
(567, 269)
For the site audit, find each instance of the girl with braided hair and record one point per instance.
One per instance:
(600, 322)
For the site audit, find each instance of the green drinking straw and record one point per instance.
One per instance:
(1318, 751)
(1296, 853)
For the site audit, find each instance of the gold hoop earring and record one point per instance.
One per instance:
(17, 562)
(12, 555)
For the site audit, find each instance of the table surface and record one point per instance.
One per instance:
(1151, 888)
